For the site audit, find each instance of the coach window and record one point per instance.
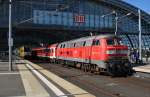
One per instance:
(97, 42)
(74, 45)
(93, 42)
(64, 46)
(110, 42)
(84, 43)
(61, 46)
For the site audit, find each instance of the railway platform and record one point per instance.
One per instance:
(10, 82)
(39, 79)
(144, 69)
(30, 80)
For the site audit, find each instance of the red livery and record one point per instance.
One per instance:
(40, 52)
(103, 53)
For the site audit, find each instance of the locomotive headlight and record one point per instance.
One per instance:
(117, 52)
(111, 52)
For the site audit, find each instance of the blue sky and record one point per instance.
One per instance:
(142, 4)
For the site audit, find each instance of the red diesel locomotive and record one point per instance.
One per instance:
(101, 53)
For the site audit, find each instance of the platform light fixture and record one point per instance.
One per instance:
(113, 12)
(116, 18)
(10, 40)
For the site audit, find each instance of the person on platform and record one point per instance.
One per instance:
(136, 56)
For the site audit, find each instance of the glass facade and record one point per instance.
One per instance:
(86, 15)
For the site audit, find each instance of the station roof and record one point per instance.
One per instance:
(128, 7)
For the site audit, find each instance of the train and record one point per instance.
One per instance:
(23, 52)
(100, 53)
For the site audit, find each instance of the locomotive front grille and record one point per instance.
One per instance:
(121, 51)
(118, 58)
(117, 55)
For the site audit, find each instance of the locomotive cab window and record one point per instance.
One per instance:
(96, 42)
(114, 41)
(110, 42)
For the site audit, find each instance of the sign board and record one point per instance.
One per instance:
(79, 18)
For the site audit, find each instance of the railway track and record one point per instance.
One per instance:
(92, 86)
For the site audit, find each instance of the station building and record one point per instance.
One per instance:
(37, 22)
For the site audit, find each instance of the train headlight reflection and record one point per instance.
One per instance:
(111, 52)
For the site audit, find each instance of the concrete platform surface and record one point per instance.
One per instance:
(30, 80)
(20, 82)
(10, 82)
(144, 68)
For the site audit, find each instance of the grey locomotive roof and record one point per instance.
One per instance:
(89, 38)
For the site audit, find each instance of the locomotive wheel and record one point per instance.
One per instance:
(88, 67)
(128, 69)
(78, 65)
(84, 69)
(82, 66)
(97, 70)
(110, 69)
(92, 68)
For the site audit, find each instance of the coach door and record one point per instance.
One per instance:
(96, 49)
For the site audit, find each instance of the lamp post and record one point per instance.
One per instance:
(10, 40)
(116, 19)
(140, 36)
(116, 23)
